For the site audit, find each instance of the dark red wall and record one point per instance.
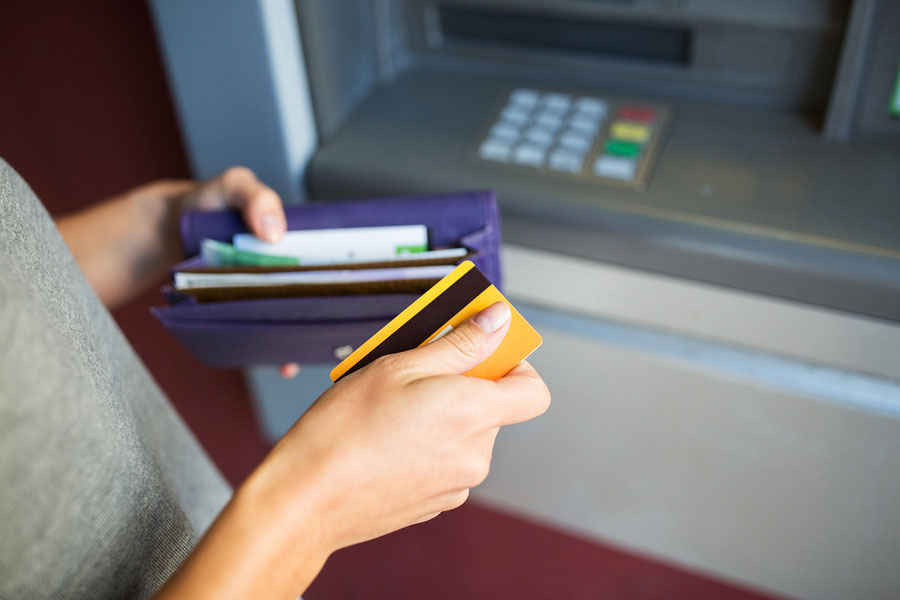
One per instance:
(84, 107)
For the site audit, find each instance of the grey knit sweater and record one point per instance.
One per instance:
(103, 490)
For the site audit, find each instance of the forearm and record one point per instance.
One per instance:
(126, 243)
(263, 545)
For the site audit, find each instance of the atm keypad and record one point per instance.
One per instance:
(587, 136)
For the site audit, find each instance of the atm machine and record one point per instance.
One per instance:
(701, 215)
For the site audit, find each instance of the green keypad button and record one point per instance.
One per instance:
(620, 148)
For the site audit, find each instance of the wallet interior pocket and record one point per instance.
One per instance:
(313, 309)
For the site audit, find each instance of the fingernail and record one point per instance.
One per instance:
(271, 228)
(493, 317)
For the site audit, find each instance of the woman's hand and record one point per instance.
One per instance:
(393, 444)
(260, 206)
(236, 188)
(405, 439)
(125, 244)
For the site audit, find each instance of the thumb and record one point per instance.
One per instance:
(466, 346)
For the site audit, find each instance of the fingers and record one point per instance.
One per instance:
(289, 371)
(239, 188)
(518, 396)
(427, 517)
(522, 396)
(259, 204)
(445, 502)
(465, 347)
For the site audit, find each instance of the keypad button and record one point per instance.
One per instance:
(580, 115)
(495, 150)
(505, 130)
(529, 154)
(630, 132)
(615, 167)
(620, 148)
(594, 106)
(555, 110)
(586, 126)
(641, 114)
(566, 160)
(525, 97)
(549, 119)
(515, 113)
(575, 140)
(515, 120)
(539, 135)
(550, 122)
(572, 134)
(559, 102)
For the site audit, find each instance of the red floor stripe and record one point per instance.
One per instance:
(478, 553)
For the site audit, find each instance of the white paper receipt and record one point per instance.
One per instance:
(323, 246)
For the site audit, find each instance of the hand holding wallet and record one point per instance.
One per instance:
(319, 324)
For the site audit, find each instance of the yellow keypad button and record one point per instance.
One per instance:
(629, 132)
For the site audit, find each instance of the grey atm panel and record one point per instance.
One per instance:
(770, 164)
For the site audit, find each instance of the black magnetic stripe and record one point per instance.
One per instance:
(425, 323)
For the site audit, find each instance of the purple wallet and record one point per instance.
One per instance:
(320, 329)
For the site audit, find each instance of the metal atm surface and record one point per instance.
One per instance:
(720, 207)
(746, 191)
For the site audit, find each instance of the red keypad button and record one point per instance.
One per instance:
(637, 113)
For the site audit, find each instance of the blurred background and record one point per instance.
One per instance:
(701, 216)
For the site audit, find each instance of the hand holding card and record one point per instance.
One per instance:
(455, 298)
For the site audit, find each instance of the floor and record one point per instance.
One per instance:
(86, 113)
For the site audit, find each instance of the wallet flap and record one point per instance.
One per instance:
(295, 310)
(240, 344)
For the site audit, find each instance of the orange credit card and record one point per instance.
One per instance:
(452, 300)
